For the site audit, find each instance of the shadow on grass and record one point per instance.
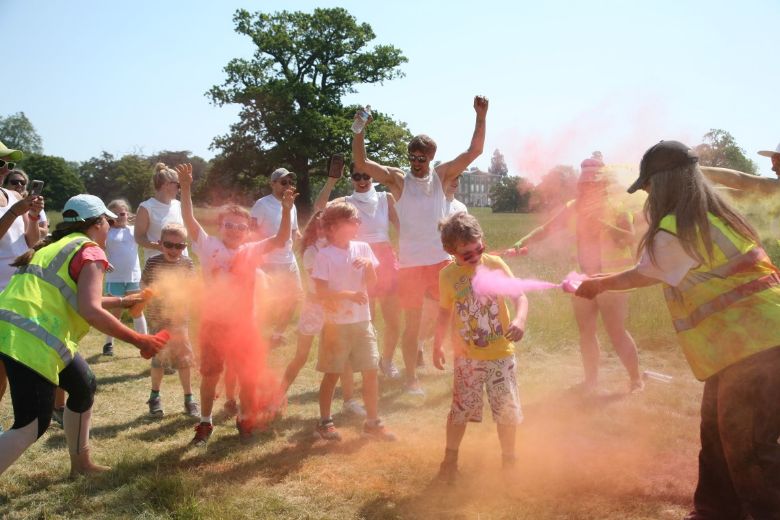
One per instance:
(122, 378)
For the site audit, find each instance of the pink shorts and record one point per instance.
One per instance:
(415, 283)
(387, 272)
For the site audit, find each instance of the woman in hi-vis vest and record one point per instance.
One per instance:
(723, 294)
(48, 306)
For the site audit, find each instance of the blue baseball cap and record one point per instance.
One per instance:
(86, 207)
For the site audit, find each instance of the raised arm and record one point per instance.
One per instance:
(392, 214)
(449, 170)
(322, 199)
(184, 172)
(285, 226)
(390, 176)
(739, 180)
(18, 208)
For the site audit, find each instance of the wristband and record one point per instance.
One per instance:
(34, 218)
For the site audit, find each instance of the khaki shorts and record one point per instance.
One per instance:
(177, 352)
(353, 343)
(497, 376)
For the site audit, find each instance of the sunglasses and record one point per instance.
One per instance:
(418, 158)
(9, 164)
(174, 245)
(357, 177)
(17, 182)
(472, 254)
(238, 227)
(286, 182)
(122, 213)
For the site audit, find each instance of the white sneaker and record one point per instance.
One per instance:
(389, 369)
(353, 407)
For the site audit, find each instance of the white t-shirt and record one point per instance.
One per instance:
(159, 215)
(420, 209)
(267, 213)
(122, 253)
(673, 263)
(334, 265)
(454, 206)
(216, 258)
(374, 213)
(12, 244)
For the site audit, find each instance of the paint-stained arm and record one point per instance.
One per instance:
(555, 224)
(449, 170)
(517, 326)
(629, 279)
(739, 180)
(195, 230)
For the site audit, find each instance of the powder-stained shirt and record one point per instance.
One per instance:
(335, 266)
(157, 267)
(479, 325)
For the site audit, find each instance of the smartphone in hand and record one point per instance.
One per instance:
(36, 188)
(336, 165)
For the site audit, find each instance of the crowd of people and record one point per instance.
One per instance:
(722, 290)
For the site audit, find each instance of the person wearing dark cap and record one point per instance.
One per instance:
(746, 181)
(723, 294)
(604, 234)
(47, 308)
(284, 277)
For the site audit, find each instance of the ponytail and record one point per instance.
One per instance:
(62, 230)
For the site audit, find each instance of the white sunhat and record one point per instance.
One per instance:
(770, 153)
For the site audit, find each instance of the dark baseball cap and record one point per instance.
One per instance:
(663, 156)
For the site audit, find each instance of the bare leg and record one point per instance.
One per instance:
(586, 313)
(391, 314)
(430, 310)
(157, 377)
(347, 383)
(208, 389)
(327, 387)
(296, 364)
(614, 312)
(59, 399)
(506, 436)
(371, 394)
(409, 344)
(455, 434)
(184, 378)
(231, 384)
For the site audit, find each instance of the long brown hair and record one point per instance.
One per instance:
(684, 193)
(310, 232)
(63, 229)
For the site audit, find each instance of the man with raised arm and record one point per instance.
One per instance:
(421, 205)
(745, 181)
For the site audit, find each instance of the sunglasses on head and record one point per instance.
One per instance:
(10, 165)
(17, 182)
(174, 245)
(238, 227)
(471, 254)
(287, 182)
(417, 158)
(357, 177)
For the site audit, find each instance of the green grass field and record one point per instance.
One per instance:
(612, 456)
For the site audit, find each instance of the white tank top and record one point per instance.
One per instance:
(420, 209)
(12, 244)
(374, 215)
(159, 215)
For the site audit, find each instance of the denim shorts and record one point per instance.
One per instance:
(121, 288)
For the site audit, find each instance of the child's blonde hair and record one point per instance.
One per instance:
(233, 209)
(163, 174)
(174, 228)
(119, 204)
(336, 214)
(310, 232)
(460, 228)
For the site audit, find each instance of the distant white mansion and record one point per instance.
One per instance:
(475, 185)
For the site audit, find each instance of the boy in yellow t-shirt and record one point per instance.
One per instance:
(482, 336)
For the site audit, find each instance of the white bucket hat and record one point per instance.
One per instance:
(770, 153)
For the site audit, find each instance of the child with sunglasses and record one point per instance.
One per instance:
(343, 271)
(228, 332)
(166, 271)
(122, 253)
(482, 335)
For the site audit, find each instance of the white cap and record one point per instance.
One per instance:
(770, 153)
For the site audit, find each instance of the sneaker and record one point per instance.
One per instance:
(389, 369)
(155, 406)
(377, 431)
(448, 472)
(231, 408)
(244, 427)
(108, 349)
(327, 431)
(56, 416)
(415, 389)
(192, 408)
(202, 433)
(352, 406)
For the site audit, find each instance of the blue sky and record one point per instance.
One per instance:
(563, 78)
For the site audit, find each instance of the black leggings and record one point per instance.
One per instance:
(32, 394)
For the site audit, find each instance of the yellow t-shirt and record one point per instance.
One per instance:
(478, 327)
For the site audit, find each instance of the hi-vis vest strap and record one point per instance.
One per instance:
(39, 322)
(728, 308)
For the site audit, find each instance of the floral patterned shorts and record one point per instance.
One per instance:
(498, 378)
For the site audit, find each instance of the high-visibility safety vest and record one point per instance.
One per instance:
(728, 308)
(40, 326)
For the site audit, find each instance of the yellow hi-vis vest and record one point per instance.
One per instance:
(40, 326)
(728, 308)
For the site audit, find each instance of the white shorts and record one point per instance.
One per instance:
(312, 319)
